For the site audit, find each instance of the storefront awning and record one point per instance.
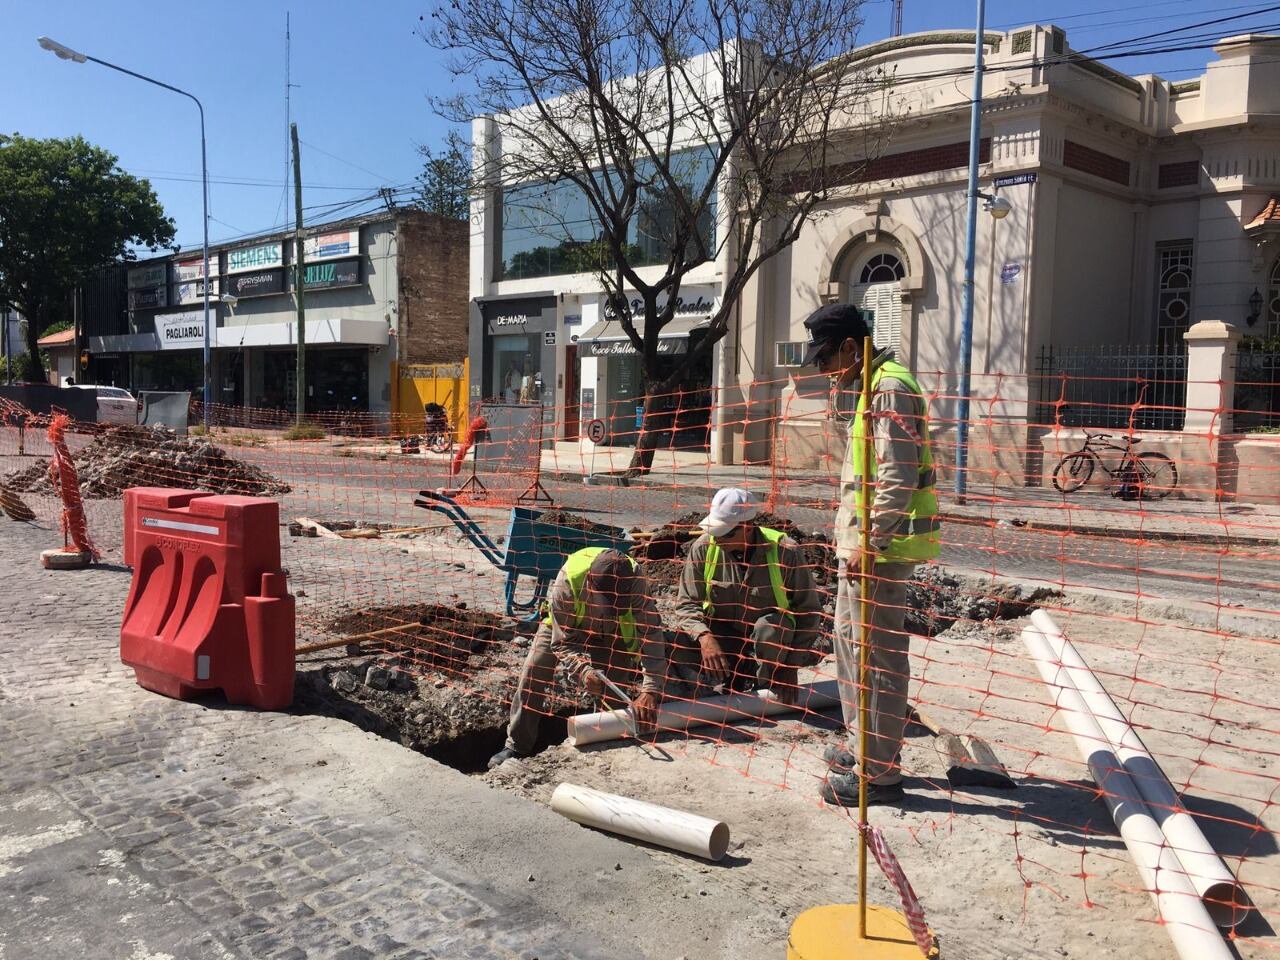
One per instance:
(607, 338)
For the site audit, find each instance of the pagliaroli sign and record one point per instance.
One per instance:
(180, 331)
(260, 256)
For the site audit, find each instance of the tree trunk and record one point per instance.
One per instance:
(655, 432)
(33, 363)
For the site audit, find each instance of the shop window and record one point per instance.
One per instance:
(548, 228)
(1173, 290)
(516, 368)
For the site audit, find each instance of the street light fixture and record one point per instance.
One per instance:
(63, 52)
(997, 206)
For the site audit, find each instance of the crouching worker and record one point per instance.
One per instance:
(748, 599)
(600, 618)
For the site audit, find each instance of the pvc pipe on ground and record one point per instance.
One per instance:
(673, 829)
(1223, 895)
(1178, 905)
(680, 715)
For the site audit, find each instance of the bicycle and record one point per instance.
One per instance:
(1150, 475)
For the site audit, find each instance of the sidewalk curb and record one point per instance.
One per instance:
(1092, 530)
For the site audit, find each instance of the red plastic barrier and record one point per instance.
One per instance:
(209, 608)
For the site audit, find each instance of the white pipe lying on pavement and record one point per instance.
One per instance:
(674, 829)
(1222, 894)
(1178, 904)
(680, 715)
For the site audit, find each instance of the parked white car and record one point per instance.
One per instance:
(115, 404)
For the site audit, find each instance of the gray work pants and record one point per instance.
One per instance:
(771, 641)
(888, 667)
(531, 700)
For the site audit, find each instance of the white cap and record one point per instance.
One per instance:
(729, 507)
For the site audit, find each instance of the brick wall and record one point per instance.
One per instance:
(908, 163)
(434, 277)
(1086, 159)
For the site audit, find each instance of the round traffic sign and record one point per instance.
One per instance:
(595, 431)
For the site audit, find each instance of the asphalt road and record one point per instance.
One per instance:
(1244, 578)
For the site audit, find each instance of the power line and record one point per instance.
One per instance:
(334, 156)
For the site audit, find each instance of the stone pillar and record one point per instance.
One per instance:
(1211, 377)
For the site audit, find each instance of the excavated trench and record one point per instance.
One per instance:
(439, 678)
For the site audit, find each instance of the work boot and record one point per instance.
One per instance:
(839, 759)
(842, 791)
(503, 755)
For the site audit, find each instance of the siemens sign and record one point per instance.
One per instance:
(258, 257)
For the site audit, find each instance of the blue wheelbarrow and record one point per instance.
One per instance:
(534, 547)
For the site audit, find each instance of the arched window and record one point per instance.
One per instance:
(882, 268)
(876, 288)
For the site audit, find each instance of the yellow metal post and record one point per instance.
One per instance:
(867, 568)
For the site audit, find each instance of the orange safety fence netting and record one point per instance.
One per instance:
(1157, 556)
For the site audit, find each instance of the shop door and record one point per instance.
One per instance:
(572, 411)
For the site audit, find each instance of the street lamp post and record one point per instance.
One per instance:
(66, 53)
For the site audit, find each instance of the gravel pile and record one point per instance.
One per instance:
(145, 457)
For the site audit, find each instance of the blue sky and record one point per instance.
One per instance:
(363, 75)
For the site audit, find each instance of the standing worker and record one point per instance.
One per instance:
(601, 618)
(748, 599)
(904, 533)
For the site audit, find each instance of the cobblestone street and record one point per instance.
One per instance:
(141, 828)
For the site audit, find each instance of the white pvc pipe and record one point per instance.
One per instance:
(1223, 895)
(1178, 905)
(674, 829)
(681, 715)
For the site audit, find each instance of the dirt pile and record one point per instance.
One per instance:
(126, 457)
(563, 518)
(936, 601)
(437, 637)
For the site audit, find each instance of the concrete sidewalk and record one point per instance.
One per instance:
(133, 826)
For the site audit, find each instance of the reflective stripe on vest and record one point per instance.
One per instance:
(575, 572)
(712, 564)
(916, 536)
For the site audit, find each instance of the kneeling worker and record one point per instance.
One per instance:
(748, 598)
(601, 618)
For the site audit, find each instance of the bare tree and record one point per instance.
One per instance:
(694, 132)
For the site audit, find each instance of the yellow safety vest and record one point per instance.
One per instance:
(917, 537)
(575, 571)
(712, 564)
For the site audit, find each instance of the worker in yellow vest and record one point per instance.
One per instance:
(600, 619)
(899, 482)
(747, 598)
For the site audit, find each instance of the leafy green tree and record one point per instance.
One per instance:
(444, 185)
(66, 210)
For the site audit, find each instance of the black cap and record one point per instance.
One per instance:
(834, 322)
(613, 574)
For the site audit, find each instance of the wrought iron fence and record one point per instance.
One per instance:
(1127, 387)
(1257, 400)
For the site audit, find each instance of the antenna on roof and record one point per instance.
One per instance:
(896, 26)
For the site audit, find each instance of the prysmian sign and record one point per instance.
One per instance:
(257, 257)
(260, 283)
(180, 331)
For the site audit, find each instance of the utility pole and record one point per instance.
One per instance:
(971, 227)
(299, 275)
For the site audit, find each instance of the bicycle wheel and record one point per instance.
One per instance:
(440, 442)
(1157, 475)
(1073, 471)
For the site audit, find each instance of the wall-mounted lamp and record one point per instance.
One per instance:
(1255, 307)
